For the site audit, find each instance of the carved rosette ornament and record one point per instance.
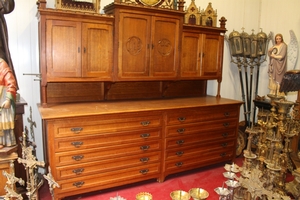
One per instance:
(164, 47)
(134, 45)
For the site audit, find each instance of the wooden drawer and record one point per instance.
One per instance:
(105, 139)
(191, 115)
(182, 152)
(103, 166)
(184, 141)
(203, 158)
(82, 126)
(94, 154)
(227, 126)
(108, 179)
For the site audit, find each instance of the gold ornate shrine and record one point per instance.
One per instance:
(92, 6)
(193, 15)
(209, 16)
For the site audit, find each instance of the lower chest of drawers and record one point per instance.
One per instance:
(92, 152)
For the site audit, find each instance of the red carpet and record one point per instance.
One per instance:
(207, 178)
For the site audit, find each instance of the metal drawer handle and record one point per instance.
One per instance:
(223, 154)
(179, 164)
(144, 171)
(76, 129)
(144, 148)
(224, 144)
(181, 130)
(144, 160)
(145, 123)
(226, 124)
(78, 184)
(179, 153)
(225, 134)
(77, 144)
(180, 142)
(145, 135)
(78, 171)
(181, 119)
(78, 157)
(226, 114)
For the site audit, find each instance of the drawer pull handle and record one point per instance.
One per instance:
(180, 142)
(226, 114)
(144, 148)
(78, 184)
(145, 123)
(179, 164)
(179, 153)
(145, 135)
(78, 157)
(144, 171)
(76, 129)
(144, 160)
(226, 124)
(78, 171)
(77, 144)
(225, 134)
(181, 119)
(223, 154)
(181, 130)
(224, 144)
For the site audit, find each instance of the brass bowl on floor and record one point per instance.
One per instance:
(143, 196)
(180, 195)
(198, 193)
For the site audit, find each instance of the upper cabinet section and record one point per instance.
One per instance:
(135, 41)
(147, 43)
(76, 47)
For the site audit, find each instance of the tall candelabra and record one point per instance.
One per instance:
(248, 51)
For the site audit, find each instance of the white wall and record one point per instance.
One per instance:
(270, 15)
(23, 42)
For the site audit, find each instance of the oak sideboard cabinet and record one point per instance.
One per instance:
(124, 95)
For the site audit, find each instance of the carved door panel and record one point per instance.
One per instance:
(76, 49)
(191, 55)
(165, 59)
(134, 46)
(212, 56)
(97, 50)
(63, 41)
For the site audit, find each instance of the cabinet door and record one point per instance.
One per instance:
(97, 50)
(164, 57)
(191, 56)
(63, 41)
(212, 56)
(134, 45)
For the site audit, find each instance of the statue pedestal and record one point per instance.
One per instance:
(6, 164)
